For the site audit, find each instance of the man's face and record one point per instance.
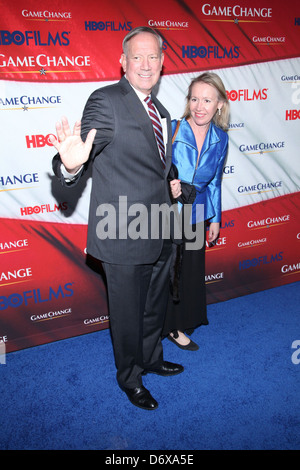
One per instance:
(143, 62)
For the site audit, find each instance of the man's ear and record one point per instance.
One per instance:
(162, 60)
(123, 62)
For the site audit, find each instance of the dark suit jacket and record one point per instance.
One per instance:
(126, 163)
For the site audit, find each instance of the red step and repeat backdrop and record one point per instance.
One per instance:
(52, 56)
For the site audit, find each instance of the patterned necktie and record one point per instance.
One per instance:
(157, 129)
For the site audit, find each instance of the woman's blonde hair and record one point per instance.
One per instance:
(221, 120)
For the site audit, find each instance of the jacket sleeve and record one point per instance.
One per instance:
(98, 114)
(214, 187)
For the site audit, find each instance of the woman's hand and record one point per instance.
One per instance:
(73, 151)
(214, 230)
(175, 187)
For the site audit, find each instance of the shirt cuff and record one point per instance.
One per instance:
(69, 176)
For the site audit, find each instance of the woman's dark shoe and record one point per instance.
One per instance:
(191, 346)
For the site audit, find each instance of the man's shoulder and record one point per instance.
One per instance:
(119, 87)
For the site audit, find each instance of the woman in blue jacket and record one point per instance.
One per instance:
(199, 150)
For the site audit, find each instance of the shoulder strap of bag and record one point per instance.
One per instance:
(176, 130)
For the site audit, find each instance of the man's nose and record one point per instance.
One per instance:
(145, 64)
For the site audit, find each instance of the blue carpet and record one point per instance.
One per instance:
(239, 391)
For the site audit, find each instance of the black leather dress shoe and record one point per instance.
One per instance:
(165, 369)
(141, 397)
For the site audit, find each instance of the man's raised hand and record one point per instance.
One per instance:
(73, 151)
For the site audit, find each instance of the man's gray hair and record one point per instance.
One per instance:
(138, 30)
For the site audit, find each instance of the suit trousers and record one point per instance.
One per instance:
(137, 298)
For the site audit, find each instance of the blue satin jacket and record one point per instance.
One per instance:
(208, 175)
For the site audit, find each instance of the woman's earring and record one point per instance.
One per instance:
(219, 110)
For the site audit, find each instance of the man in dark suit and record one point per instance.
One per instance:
(129, 172)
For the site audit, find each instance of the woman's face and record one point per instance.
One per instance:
(204, 103)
